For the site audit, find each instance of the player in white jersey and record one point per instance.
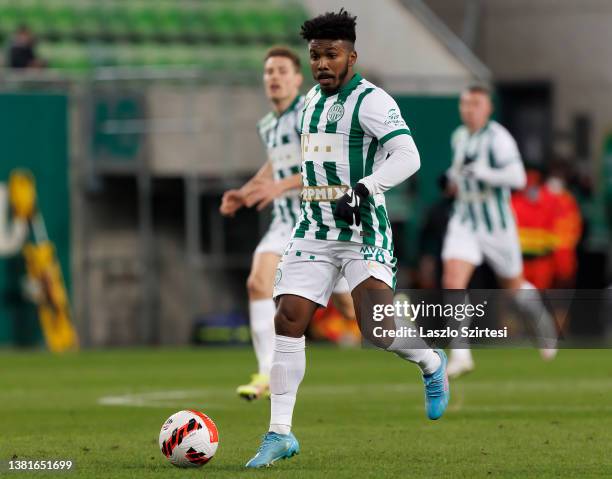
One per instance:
(486, 164)
(278, 182)
(355, 146)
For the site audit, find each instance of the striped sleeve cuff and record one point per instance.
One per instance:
(393, 134)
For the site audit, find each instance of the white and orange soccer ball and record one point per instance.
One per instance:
(189, 439)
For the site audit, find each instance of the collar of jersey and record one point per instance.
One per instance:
(290, 107)
(482, 130)
(351, 84)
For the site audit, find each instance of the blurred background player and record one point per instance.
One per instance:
(355, 146)
(279, 182)
(486, 165)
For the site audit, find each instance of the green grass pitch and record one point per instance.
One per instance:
(359, 414)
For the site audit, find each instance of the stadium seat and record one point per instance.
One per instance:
(63, 22)
(10, 19)
(81, 34)
(222, 25)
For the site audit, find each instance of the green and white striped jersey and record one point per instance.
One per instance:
(342, 142)
(486, 208)
(281, 137)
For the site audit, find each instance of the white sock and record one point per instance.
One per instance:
(463, 354)
(460, 346)
(261, 313)
(530, 304)
(287, 372)
(427, 359)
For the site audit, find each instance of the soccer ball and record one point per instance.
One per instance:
(189, 439)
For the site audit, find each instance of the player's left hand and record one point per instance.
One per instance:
(261, 193)
(348, 206)
(478, 171)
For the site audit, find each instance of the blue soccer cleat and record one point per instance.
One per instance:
(274, 447)
(437, 392)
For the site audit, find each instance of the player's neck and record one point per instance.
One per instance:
(350, 79)
(282, 105)
(476, 128)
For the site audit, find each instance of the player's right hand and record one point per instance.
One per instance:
(231, 202)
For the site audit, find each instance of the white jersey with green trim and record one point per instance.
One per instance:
(281, 136)
(486, 208)
(342, 139)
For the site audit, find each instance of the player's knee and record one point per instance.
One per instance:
(257, 287)
(285, 323)
(452, 281)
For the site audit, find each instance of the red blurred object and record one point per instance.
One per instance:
(549, 225)
(328, 324)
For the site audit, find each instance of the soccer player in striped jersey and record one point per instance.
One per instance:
(486, 164)
(278, 182)
(355, 146)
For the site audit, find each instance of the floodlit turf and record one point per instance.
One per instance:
(359, 414)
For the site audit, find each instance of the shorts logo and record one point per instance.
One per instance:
(335, 112)
(277, 278)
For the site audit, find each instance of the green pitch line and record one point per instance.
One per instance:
(359, 414)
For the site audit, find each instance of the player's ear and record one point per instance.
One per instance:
(299, 80)
(491, 105)
(352, 57)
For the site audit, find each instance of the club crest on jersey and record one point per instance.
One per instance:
(335, 112)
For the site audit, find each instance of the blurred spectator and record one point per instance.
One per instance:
(534, 208)
(550, 226)
(567, 227)
(22, 50)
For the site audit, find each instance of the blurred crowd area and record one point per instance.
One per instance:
(145, 252)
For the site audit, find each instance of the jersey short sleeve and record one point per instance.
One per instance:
(381, 118)
(504, 148)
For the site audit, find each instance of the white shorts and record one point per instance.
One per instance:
(500, 249)
(275, 241)
(276, 238)
(310, 268)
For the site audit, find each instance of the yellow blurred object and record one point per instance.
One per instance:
(54, 307)
(22, 193)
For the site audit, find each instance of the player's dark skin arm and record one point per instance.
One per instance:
(294, 313)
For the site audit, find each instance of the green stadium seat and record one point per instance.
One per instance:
(248, 26)
(89, 22)
(116, 23)
(195, 26)
(143, 23)
(222, 25)
(69, 56)
(63, 22)
(80, 34)
(170, 23)
(10, 18)
(37, 19)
